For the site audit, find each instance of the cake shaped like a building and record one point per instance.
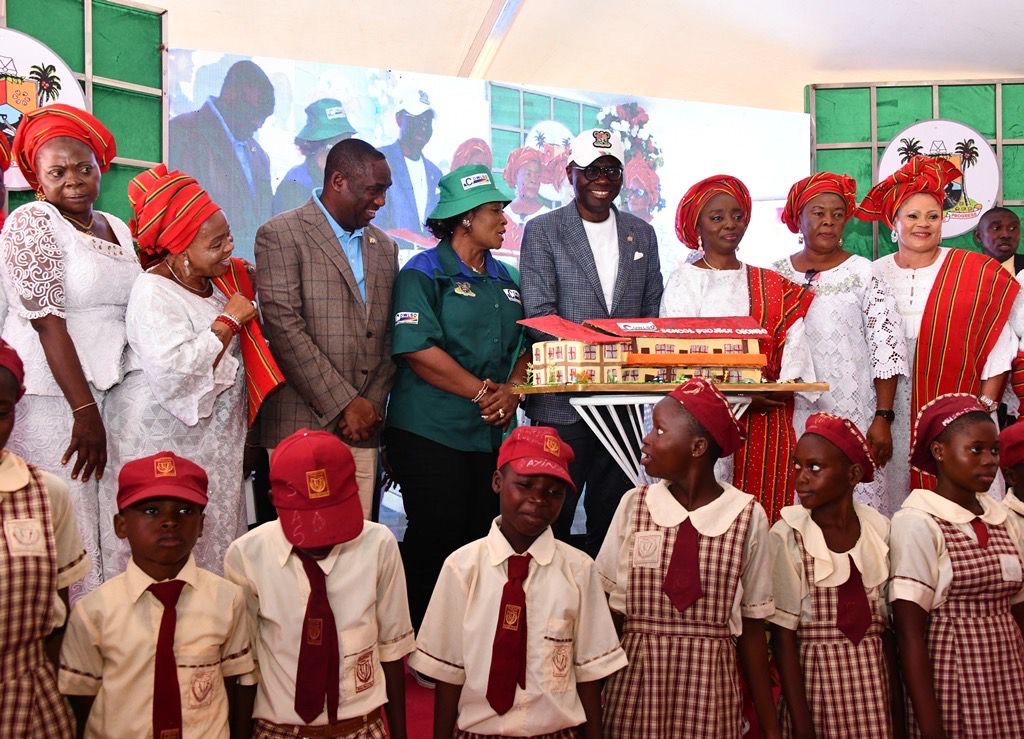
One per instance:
(725, 350)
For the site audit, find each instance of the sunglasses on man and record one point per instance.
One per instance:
(593, 171)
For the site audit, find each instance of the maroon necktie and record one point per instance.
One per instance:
(166, 695)
(854, 612)
(318, 676)
(508, 655)
(981, 530)
(682, 581)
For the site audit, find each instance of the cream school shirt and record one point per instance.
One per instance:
(793, 603)
(1015, 506)
(570, 635)
(921, 569)
(110, 651)
(754, 591)
(366, 587)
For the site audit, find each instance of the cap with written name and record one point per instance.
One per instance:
(313, 487)
(537, 450)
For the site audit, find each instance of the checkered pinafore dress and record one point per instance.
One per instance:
(682, 680)
(975, 647)
(847, 686)
(31, 707)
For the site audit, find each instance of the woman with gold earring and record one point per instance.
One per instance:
(67, 271)
(853, 326)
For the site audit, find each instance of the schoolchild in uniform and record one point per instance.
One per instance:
(686, 563)
(517, 633)
(41, 554)
(831, 565)
(325, 594)
(956, 587)
(1011, 460)
(155, 651)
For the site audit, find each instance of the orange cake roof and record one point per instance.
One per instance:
(695, 360)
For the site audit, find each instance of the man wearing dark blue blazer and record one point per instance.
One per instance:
(413, 192)
(582, 261)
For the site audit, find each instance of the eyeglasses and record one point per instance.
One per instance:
(593, 171)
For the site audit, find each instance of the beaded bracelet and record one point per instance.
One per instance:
(229, 320)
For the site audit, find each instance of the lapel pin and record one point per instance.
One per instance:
(629, 238)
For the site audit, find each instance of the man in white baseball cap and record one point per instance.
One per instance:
(413, 193)
(589, 260)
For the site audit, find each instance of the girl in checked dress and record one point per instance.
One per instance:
(687, 568)
(831, 565)
(957, 587)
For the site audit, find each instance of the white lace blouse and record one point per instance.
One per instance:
(50, 268)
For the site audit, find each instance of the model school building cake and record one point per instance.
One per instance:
(724, 350)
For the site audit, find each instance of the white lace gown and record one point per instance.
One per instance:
(174, 399)
(50, 268)
(856, 335)
(911, 288)
(694, 292)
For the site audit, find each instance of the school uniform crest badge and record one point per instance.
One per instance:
(647, 548)
(551, 446)
(314, 631)
(560, 660)
(510, 619)
(164, 467)
(25, 537)
(200, 690)
(364, 671)
(316, 484)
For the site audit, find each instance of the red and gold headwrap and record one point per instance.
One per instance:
(809, 187)
(53, 121)
(169, 207)
(5, 153)
(693, 202)
(518, 159)
(928, 175)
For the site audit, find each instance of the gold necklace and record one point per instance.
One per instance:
(84, 228)
(197, 291)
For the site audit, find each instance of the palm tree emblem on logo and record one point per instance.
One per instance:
(910, 149)
(968, 158)
(47, 82)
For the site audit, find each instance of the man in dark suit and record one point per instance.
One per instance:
(998, 235)
(215, 145)
(589, 260)
(325, 277)
(414, 193)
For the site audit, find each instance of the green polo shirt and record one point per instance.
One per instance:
(439, 301)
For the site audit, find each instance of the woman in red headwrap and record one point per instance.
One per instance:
(954, 304)
(188, 366)
(67, 271)
(523, 172)
(713, 216)
(853, 328)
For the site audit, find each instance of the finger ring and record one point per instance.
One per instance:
(501, 413)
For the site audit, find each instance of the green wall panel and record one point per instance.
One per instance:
(568, 114)
(133, 118)
(972, 105)
(536, 108)
(1013, 172)
(126, 44)
(1013, 111)
(899, 107)
(14, 199)
(57, 23)
(114, 191)
(504, 106)
(502, 144)
(857, 164)
(842, 116)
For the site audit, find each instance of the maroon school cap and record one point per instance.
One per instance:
(537, 450)
(313, 487)
(161, 475)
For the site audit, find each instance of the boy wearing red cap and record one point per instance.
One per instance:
(155, 651)
(517, 633)
(830, 569)
(687, 569)
(41, 554)
(325, 592)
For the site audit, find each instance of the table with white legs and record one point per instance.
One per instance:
(616, 413)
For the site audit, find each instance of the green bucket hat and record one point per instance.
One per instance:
(465, 188)
(325, 119)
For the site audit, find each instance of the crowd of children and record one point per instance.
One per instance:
(663, 636)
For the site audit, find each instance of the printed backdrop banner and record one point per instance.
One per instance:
(260, 156)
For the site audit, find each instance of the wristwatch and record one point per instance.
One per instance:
(888, 414)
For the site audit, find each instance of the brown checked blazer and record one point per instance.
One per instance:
(330, 345)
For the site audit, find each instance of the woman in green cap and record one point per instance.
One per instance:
(326, 125)
(459, 351)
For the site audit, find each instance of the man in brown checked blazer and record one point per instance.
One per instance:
(325, 278)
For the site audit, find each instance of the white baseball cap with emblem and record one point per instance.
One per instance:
(595, 143)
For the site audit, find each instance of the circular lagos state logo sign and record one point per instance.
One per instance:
(970, 195)
(31, 76)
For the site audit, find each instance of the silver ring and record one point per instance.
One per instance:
(501, 413)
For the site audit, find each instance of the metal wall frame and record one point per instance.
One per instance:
(874, 144)
(88, 79)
